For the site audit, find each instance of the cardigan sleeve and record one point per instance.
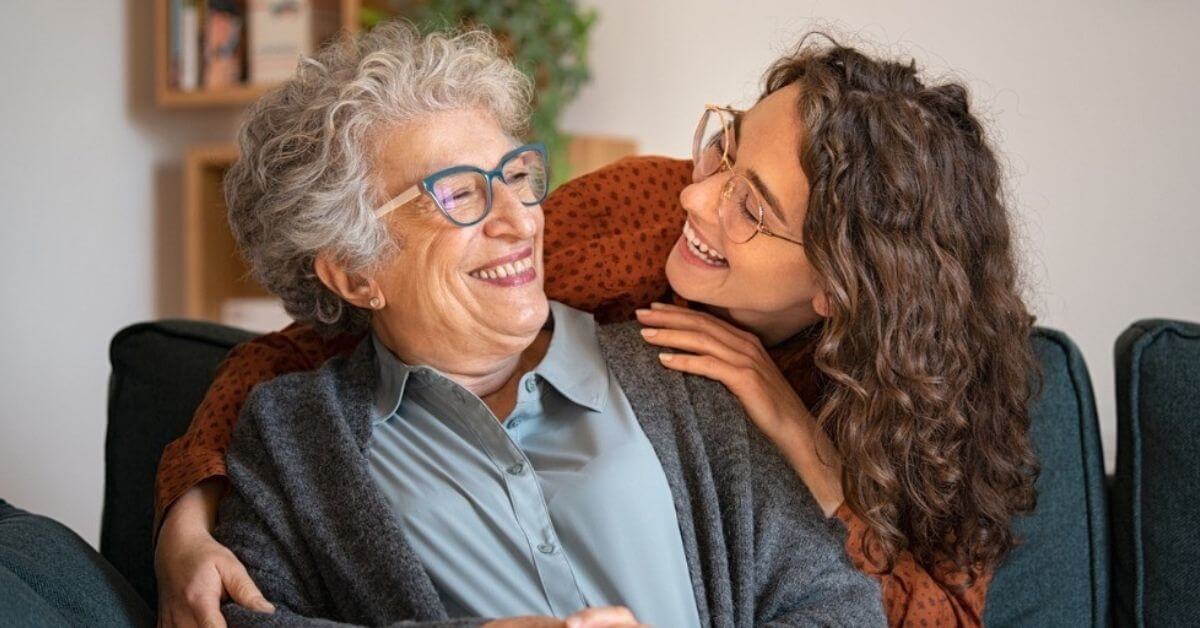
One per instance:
(912, 596)
(199, 454)
(255, 517)
(803, 576)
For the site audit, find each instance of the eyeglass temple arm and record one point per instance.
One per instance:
(399, 200)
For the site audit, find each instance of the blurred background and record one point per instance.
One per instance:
(116, 123)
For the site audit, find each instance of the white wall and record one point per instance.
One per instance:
(89, 222)
(1091, 103)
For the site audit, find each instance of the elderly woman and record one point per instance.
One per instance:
(483, 454)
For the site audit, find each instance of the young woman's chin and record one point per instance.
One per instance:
(694, 283)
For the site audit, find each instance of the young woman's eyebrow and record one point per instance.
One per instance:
(772, 200)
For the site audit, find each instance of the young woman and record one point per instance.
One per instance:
(847, 254)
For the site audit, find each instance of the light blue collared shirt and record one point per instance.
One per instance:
(561, 506)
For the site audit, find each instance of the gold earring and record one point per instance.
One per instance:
(375, 303)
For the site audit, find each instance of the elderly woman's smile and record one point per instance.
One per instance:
(511, 270)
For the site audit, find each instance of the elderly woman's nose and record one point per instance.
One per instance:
(510, 217)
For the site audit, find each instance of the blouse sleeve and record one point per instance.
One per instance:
(200, 453)
(609, 232)
(912, 596)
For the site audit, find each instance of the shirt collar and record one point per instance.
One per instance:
(393, 378)
(573, 365)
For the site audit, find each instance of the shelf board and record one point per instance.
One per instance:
(224, 97)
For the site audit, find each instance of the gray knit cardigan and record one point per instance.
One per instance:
(319, 538)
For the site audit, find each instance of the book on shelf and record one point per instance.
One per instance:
(223, 49)
(218, 44)
(283, 31)
(183, 37)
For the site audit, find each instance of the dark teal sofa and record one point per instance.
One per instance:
(1063, 574)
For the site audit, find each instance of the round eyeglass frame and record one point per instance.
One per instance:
(735, 177)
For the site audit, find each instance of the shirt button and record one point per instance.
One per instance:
(546, 548)
(516, 469)
(530, 385)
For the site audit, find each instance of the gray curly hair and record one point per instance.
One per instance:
(304, 182)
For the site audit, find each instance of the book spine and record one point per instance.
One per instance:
(189, 45)
(222, 44)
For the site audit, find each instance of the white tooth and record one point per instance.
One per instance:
(528, 263)
(510, 269)
(490, 274)
(500, 270)
(703, 247)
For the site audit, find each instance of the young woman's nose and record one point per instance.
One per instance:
(702, 198)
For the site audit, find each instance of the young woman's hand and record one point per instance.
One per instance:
(718, 350)
(195, 571)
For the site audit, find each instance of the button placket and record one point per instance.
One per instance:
(533, 513)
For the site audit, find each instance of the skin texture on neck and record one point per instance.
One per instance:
(491, 375)
(771, 328)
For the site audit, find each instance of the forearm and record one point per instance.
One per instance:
(196, 509)
(812, 456)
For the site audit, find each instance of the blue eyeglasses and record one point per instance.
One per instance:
(464, 193)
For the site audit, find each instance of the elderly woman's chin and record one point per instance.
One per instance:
(512, 295)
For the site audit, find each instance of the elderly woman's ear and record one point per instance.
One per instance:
(353, 288)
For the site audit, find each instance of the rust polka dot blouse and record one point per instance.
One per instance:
(607, 237)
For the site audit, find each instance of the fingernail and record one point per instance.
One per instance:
(641, 311)
(666, 357)
(648, 332)
(656, 306)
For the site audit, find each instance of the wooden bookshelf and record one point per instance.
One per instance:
(213, 271)
(168, 96)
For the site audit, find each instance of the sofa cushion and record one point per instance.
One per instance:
(1156, 520)
(51, 577)
(1058, 575)
(160, 372)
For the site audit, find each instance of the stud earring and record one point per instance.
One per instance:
(375, 303)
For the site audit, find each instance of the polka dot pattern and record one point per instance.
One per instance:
(608, 234)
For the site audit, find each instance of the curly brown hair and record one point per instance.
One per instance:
(926, 346)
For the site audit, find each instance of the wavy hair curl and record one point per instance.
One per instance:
(927, 347)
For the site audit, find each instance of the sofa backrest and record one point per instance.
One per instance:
(1156, 492)
(160, 372)
(1058, 577)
